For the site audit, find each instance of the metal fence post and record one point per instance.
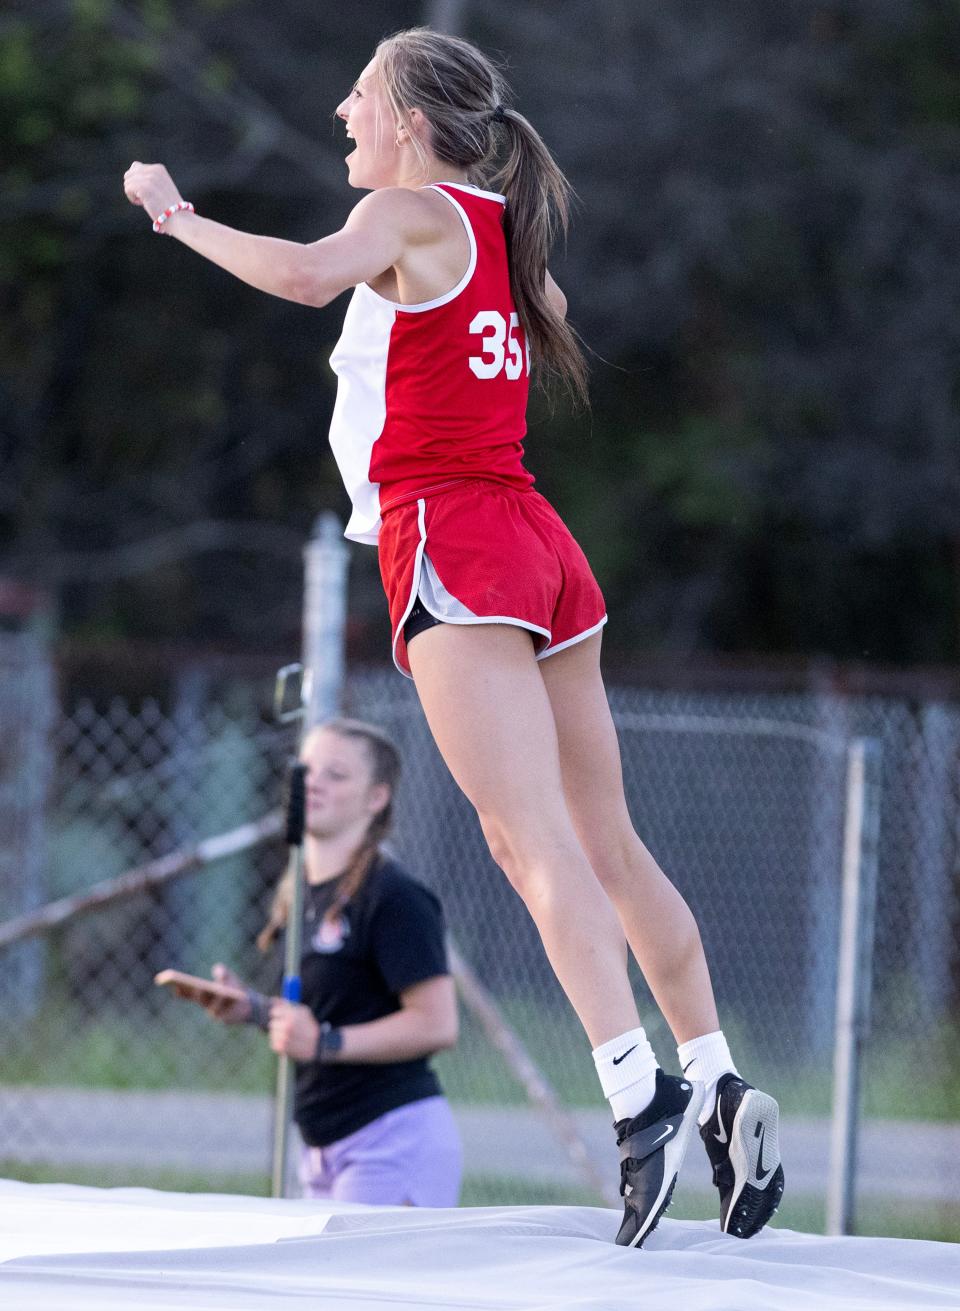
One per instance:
(326, 557)
(854, 973)
(27, 709)
(933, 777)
(825, 841)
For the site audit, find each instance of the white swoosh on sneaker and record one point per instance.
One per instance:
(666, 1134)
(721, 1137)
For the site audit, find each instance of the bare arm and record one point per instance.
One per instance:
(425, 1023)
(555, 296)
(372, 240)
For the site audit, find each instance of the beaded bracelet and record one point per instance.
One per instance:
(159, 221)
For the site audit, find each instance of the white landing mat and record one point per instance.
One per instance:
(64, 1248)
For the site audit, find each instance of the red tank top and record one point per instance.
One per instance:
(433, 394)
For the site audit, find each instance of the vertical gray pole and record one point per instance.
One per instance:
(930, 783)
(283, 1110)
(326, 557)
(27, 711)
(818, 1001)
(446, 16)
(854, 974)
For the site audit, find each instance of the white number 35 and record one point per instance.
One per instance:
(502, 351)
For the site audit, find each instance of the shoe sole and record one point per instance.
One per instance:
(673, 1154)
(754, 1199)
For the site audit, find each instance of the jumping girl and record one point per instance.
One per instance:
(495, 613)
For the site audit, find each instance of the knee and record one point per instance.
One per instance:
(503, 851)
(540, 866)
(524, 856)
(626, 870)
(617, 861)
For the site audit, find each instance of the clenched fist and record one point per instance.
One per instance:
(151, 186)
(293, 1030)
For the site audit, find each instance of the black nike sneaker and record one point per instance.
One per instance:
(652, 1145)
(741, 1141)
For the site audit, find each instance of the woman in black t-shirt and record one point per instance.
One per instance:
(378, 999)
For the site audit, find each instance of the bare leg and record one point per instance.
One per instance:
(658, 923)
(489, 713)
(665, 940)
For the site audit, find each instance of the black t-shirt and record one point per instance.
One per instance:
(389, 936)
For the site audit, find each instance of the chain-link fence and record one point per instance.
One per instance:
(105, 1078)
(26, 714)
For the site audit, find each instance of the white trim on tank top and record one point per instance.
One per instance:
(471, 264)
(468, 186)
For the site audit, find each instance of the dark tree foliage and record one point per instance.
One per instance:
(767, 248)
(763, 263)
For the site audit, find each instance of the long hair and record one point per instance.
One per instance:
(384, 760)
(463, 95)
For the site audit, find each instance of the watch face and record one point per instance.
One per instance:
(332, 1040)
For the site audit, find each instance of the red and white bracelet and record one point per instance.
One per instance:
(159, 221)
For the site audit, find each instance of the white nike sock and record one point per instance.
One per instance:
(628, 1071)
(705, 1059)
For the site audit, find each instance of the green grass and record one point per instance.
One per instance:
(891, 1089)
(180, 1048)
(939, 1222)
(168, 1181)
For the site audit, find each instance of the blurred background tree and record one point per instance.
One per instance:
(762, 262)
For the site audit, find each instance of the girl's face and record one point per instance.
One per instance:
(376, 160)
(340, 792)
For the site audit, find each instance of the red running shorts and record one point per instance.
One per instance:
(482, 553)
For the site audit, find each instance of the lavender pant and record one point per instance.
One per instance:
(410, 1156)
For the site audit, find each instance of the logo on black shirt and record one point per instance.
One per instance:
(330, 935)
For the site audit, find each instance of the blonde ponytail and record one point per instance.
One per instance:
(461, 94)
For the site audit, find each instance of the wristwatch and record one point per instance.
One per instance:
(329, 1042)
